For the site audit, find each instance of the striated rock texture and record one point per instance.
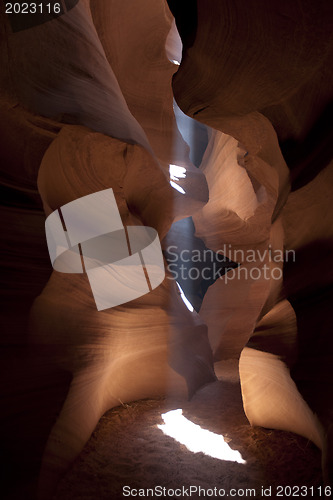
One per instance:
(263, 75)
(88, 140)
(244, 188)
(87, 104)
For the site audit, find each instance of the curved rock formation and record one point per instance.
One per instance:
(153, 345)
(272, 60)
(236, 221)
(87, 105)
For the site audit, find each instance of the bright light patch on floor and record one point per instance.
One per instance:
(175, 186)
(197, 439)
(185, 300)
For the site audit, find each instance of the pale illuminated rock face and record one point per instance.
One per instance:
(256, 63)
(87, 105)
(89, 140)
(244, 190)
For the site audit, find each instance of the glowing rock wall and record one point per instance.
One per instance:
(87, 104)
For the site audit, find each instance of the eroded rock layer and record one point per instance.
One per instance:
(87, 105)
(272, 60)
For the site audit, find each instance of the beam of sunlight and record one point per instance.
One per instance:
(176, 172)
(197, 439)
(178, 188)
(185, 300)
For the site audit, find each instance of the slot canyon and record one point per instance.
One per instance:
(167, 245)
